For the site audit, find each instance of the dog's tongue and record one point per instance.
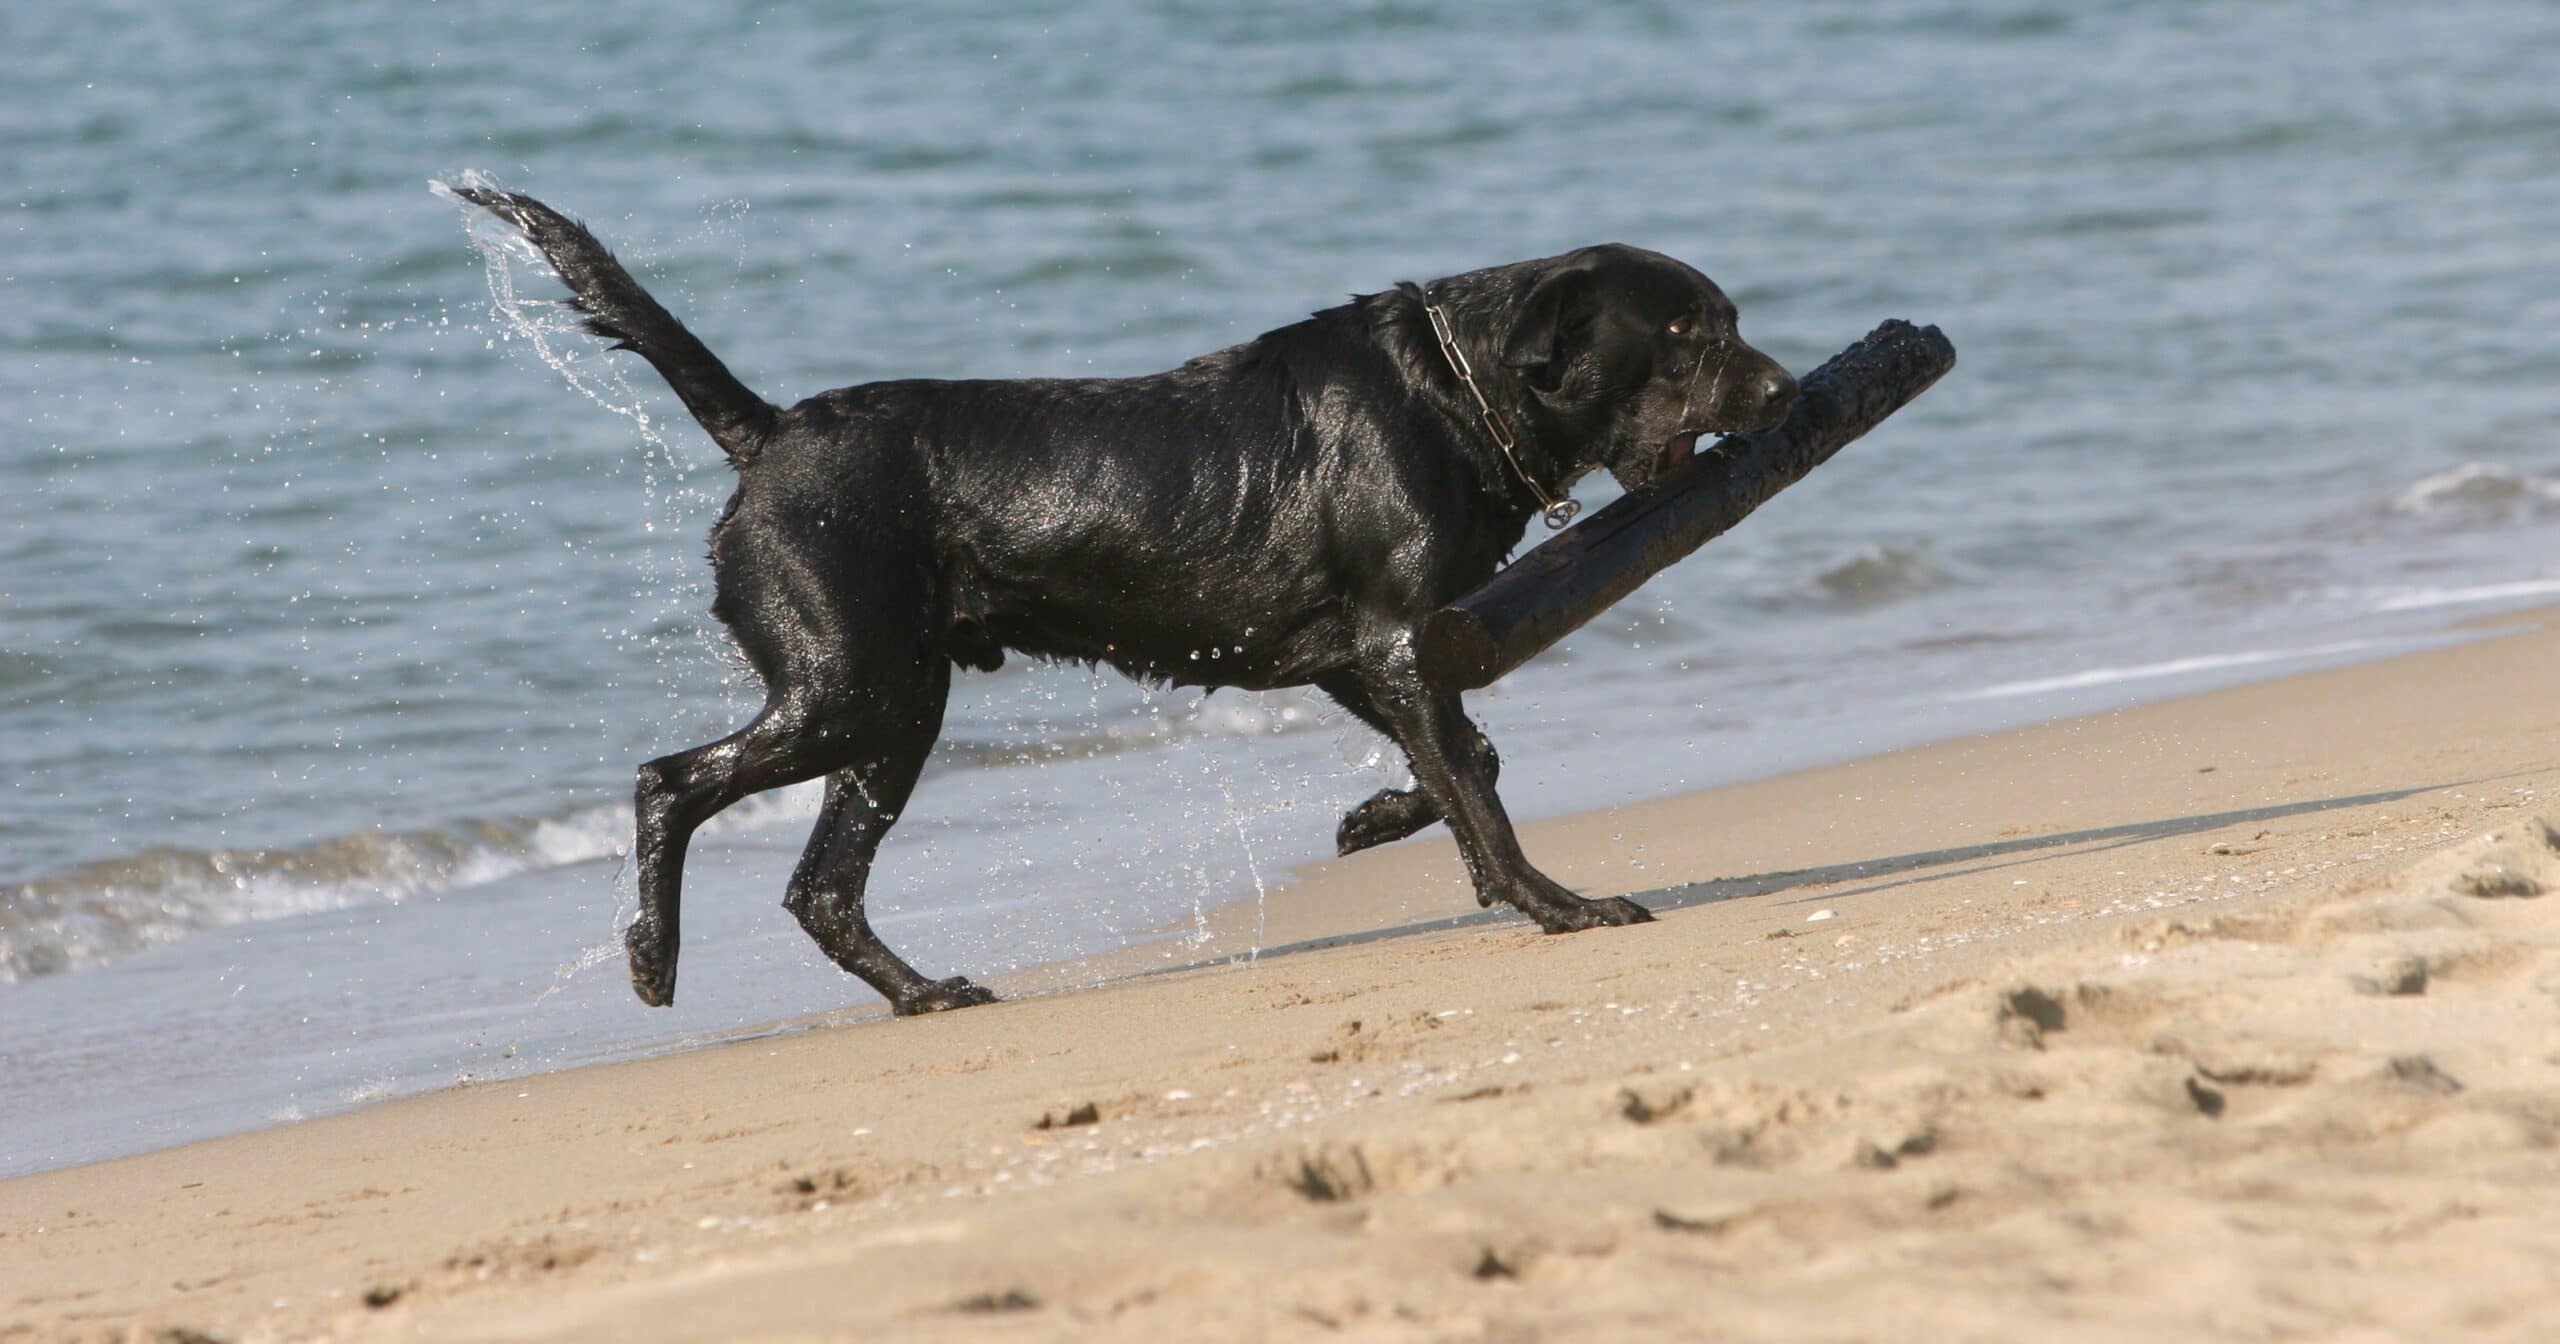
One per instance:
(1677, 449)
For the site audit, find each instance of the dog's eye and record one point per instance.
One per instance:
(1681, 326)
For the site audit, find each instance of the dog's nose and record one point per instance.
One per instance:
(1777, 394)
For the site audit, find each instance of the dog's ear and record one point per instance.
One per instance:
(1557, 306)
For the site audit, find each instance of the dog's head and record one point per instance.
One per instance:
(1630, 356)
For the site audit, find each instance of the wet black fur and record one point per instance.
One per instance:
(1281, 513)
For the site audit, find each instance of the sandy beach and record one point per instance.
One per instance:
(2236, 1016)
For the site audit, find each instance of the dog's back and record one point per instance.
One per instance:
(1182, 526)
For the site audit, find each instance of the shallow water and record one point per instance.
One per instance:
(332, 624)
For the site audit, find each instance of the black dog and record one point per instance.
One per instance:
(1282, 513)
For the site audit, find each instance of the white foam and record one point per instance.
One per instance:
(2174, 667)
(2475, 485)
(2420, 599)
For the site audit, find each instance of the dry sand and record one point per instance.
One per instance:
(2233, 1017)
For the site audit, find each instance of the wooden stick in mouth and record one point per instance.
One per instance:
(1586, 569)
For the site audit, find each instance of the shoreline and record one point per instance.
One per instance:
(1798, 913)
(1240, 932)
(171, 1100)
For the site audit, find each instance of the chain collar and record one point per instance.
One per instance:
(1557, 512)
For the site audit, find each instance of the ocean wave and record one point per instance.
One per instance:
(2476, 489)
(1876, 575)
(101, 912)
(1850, 578)
(108, 910)
(119, 907)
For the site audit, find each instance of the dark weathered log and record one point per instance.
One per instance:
(1584, 570)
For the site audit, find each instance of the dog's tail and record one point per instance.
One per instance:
(618, 309)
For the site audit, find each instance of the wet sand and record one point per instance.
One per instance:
(2237, 1015)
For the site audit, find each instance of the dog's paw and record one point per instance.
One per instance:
(1618, 910)
(1573, 914)
(653, 964)
(1388, 816)
(942, 996)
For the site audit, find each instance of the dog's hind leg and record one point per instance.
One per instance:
(791, 741)
(1392, 814)
(863, 802)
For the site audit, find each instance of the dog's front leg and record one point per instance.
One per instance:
(1433, 730)
(1392, 814)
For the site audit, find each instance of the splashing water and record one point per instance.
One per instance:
(1237, 818)
(588, 959)
(542, 323)
(552, 329)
